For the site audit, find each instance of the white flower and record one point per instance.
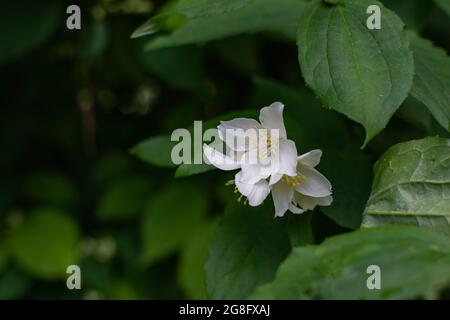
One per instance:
(295, 184)
(299, 193)
(305, 191)
(260, 149)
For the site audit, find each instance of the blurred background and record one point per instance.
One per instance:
(73, 105)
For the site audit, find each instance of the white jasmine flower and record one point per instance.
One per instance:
(295, 184)
(299, 193)
(304, 191)
(260, 149)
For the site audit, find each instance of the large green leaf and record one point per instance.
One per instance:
(245, 252)
(201, 21)
(412, 186)
(170, 217)
(432, 78)
(364, 74)
(191, 269)
(413, 262)
(46, 244)
(24, 27)
(343, 163)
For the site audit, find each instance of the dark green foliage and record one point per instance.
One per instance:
(85, 131)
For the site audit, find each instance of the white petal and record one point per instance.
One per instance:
(309, 203)
(313, 183)
(233, 132)
(252, 173)
(219, 160)
(271, 117)
(282, 195)
(256, 193)
(252, 169)
(295, 209)
(311, 158)
(274, 178)
(284, 159)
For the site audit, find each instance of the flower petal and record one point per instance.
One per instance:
(252, 169)
(282, 195)
(309, 203)
(311, 158)
(233, 132)
(256, 193)
(313, 183)
(252, 173)
(284, 159)
(274, 178)
(294, 209)
(271, 117)
(219, 160)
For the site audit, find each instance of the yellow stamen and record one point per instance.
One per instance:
(229, 182)
(293, 181)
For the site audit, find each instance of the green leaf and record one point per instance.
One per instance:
(205, 21)
(22, 30)
(417, 115)
(46, 244)
(245, 251)
(444, 5)
(171, 216)
(343, 163)
(50, 188)
(191, 271)
(432, 78)
(148, 28)
(155, 150)
(364, 74)
(412, 186)
(300, 229)
(123, 199)
(413, 263)
(200, 8)
(185, 170)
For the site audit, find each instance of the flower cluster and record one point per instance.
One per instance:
(269, 163)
